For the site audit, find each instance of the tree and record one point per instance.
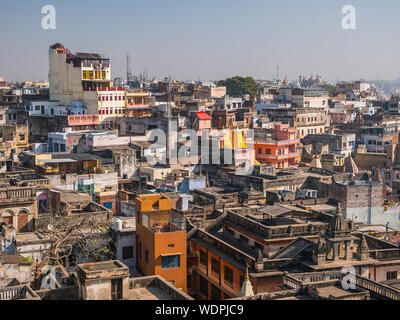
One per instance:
(238, 85)
(331, 89)
(89, 238)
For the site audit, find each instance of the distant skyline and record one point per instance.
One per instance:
(207, 40)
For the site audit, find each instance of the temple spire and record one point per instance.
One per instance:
(247, 287)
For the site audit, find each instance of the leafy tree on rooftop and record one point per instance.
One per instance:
(238, 85)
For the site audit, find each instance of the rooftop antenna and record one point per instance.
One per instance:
(277, 72)
(128, 69)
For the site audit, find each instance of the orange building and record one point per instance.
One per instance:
(161, 243)
(213, 277)
(280, 151)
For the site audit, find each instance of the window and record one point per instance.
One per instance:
(171, 245)
(171, 262)
(127, 252)
(146, 255)
(392, 275)
(215, 266)
(267, 151)
(37, 108)
(203, 288)
(140, 250)
(203, 258)
(108, 205)
(228, 275)
(116, 289)
(259, 150)
(215, 293)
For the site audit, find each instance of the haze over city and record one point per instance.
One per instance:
(200, 151)
(208, 40)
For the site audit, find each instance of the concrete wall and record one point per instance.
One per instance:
(375, 215)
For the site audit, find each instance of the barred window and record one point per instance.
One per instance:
(228, 275)
(215, 268)
(203, 258)
(391, 275)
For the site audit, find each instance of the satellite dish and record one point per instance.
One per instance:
(50, 227)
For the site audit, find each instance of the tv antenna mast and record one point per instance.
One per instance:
(129, 77)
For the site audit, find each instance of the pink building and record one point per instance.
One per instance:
(202, 122)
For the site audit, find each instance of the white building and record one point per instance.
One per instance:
(84, 77)
(229, 103)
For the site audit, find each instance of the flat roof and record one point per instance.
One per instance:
(148, 293)
(62, 160)
(102, 266)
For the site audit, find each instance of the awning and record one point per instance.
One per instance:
(171, 254)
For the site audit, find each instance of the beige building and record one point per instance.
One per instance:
(85, 77)
(311, 121)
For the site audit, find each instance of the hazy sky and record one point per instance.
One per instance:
(208, 39)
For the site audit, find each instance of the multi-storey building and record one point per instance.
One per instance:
(160, 239)
(305, 120)
(340, 144)
(375, 138)
(279, 150)
(16, 135)
(305, 97)
(84, 77)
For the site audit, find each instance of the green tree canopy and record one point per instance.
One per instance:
(237, 86)
(331, 89)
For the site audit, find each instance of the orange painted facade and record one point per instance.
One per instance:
(218, 286)
(161, 245)
(281, 151)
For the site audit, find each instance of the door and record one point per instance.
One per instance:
(23, 221)
(116, 289)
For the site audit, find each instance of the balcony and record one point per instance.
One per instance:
(278, 157)
(21, 292)
(17, 194)
(277, 143)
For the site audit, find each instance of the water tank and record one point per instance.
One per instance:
(117, 225)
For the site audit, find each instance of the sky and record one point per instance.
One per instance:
(208, 39)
